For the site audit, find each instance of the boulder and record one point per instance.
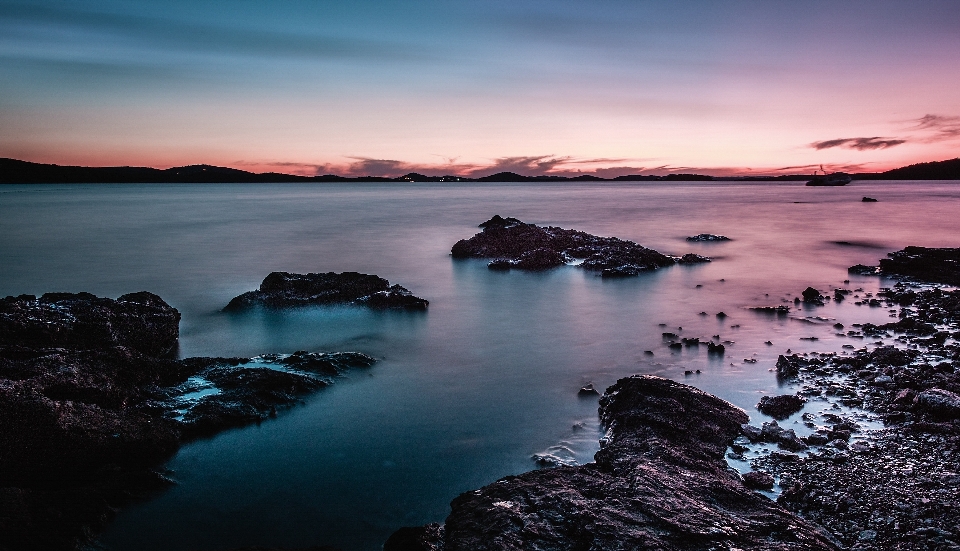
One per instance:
(781, 407)
(287, 290)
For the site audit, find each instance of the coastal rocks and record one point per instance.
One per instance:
(781, 407)
(708, 238)
(861, 269)
(758, 480)
(926, 264)
(812, 296)
(868, 200)
(90, 406)
(141, 321)
(940, 403)
(287, 290)
(515, 244)
(789, 366)
(659, 482)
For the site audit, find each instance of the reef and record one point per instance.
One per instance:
(92, 403)
(513, 244)
(659, 481)
(286, 290)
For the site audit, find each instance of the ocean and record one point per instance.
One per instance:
(470, 390)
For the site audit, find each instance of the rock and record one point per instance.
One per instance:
(141, 321)
(940, 403)
(758, 480)
(416, 538)
(861, 269)
(715, 348)
(789, 366)
(691, 258)
(588, 391)
(515, 244)
(660, 481)
(781, 407)
(708, 238)
(868, 200)
(812, 296)
(781, 310)
(927, 264)
(91, 406)
(287, 290)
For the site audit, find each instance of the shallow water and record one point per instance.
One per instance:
(468, 391)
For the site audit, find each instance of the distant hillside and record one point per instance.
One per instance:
(13, 171)
(939, 170)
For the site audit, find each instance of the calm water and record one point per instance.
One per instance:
(467, 392)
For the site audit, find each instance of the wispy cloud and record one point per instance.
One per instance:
(943, 127)
(860, 144)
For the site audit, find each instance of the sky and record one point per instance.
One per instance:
(383, 88)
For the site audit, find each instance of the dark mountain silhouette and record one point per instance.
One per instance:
(13, 171)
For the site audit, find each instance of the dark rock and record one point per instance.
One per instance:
(861, 269)
(286, 290)
(781, 310)
(940, 403)
(515, 244)
(758, 480)
(781, 407)
(715, 348)
(588, 391)
(927, 264)
(416, 538)
(868, 200)
(812, 296)
(691, 258)
(708, 238)
(789, 366)
(141, 321)
(660, 481)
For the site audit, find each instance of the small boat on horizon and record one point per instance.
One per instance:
(832, 179)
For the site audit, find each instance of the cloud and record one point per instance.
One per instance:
(944, 127)
(860, 144)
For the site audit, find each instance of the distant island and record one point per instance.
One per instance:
(13, 171)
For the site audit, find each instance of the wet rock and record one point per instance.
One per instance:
(926, 264)
(781, 407)
(659, 482)
(691, 258)
(416, 538)
(790, 366)
(812, 296)
(715, 348)
(588, 391)
(515, 244)
(758, 480)
(868, 200)
(861, 269)
(778, 310)
(940, 403)
(707, 238)
(141, 321)
(287, 290)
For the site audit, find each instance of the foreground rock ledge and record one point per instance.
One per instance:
(89, 409)
(515, 244)
(659, 482)
(286, 290)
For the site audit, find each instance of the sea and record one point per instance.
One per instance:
(482, 385)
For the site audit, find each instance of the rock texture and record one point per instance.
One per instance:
(90, 406)
(515, 244)
(708, 238)
(926, 264)
(659, 482)
(286, 290)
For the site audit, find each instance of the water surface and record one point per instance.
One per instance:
(467, 392)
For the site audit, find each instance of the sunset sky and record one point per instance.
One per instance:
(474, 87)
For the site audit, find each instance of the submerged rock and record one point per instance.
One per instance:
(707, 237)
(659, 482)
(285, 290)
(515, 244)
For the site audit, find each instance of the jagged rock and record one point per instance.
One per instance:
(515, 244)
(939, 402)
(861, 269)
(706, 237)
(715, 348)
(812, 296)
(927, 264)
(758, 480)
(286, 290)
(781, 407)
(789, 366)
(691, 258)
(588, 391)
(141, 321)
(659, 482)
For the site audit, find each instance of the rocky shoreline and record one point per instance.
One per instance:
(92, 404)
(287, 290)
(513, 244)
